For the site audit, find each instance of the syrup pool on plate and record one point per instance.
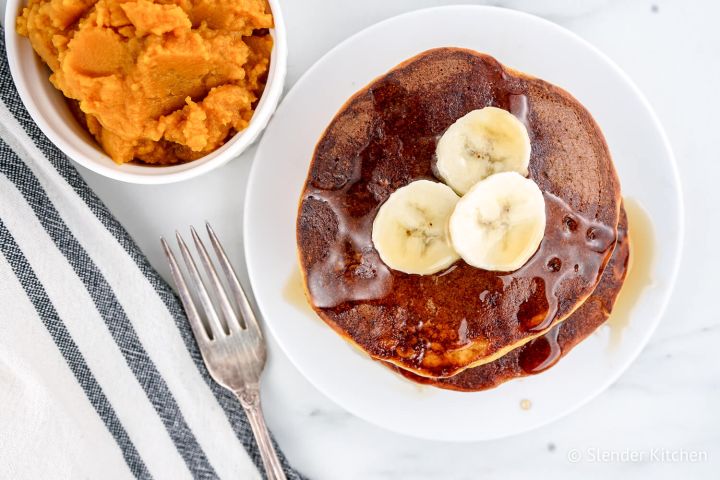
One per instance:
(294, 293)
(639, 272)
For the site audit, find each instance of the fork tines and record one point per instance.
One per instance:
(218, 324)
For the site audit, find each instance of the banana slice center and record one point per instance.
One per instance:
(483, 142)
(410, 229)
(499, 224)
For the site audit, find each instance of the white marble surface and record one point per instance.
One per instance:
(669, 399)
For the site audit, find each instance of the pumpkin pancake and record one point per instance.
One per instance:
(543, 352)
(383, 138)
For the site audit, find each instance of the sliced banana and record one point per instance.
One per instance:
(479, 144)
(410, 229)
(499, 223)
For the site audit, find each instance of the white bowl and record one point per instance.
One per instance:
(48, 109)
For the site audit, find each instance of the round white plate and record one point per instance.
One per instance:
(643, 159)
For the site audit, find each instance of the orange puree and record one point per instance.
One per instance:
(160, 81)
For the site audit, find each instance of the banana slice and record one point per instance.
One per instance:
(479, 144)
(499, 223)
(410, 229)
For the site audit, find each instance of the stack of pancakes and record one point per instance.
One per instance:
(463, 328)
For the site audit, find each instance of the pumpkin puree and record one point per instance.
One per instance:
(160, 81)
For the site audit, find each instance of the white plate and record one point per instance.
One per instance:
(643, 159)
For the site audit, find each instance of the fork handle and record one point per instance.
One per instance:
(250, 401)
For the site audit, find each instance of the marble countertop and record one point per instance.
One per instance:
(665, 404)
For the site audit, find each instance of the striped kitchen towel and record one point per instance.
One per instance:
(100, 377)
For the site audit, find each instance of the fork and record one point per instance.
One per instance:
(231, 344)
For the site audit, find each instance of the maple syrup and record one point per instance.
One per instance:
(294, 292)
(639, 270)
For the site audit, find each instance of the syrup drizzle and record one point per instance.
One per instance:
(352, 269)
(541, 353)
(519, 108)
(573, 249)
(577, 249)
(572, 252)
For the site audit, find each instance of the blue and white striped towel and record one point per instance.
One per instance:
(100, 377)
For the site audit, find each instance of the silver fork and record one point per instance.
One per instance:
(232, 345)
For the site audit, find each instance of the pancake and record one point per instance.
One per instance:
(543, 352)
(383, 138)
